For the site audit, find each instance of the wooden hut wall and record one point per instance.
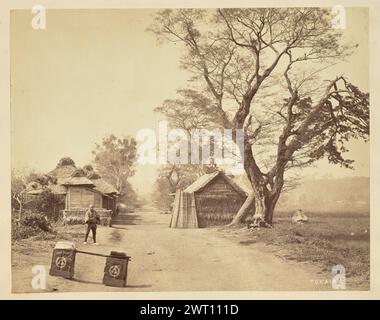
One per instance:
(184, 214)
(217, 203)
(105, 202)
(98, 200)
(80, 197)
(67, 200)
(175, 211)
(109, 203)
(112, 202)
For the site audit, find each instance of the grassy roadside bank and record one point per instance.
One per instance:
(34, 249)
(328, 239)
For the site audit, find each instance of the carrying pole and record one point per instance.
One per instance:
(102, 255)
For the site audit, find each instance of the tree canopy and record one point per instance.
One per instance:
(115, 159)
(267, 71)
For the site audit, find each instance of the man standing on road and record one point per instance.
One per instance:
(92, 219)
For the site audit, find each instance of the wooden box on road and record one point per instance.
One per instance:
(115, 271)
(63, 260)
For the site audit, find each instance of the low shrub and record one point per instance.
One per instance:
(37, 221)
(22, 232)
(31, 224)
(72, 220)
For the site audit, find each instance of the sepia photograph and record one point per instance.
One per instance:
(185, 149)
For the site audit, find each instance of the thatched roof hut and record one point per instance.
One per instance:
(78, 181)
(104, 187)
(217, 176)
(34, 191)
(215, 199)
(79, 187)
(61, 173)
(57, 189)
(108, 191)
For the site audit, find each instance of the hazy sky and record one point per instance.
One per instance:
(96, 72)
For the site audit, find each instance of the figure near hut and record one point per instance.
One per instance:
(91, 218)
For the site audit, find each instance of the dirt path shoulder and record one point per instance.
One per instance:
(165, 259)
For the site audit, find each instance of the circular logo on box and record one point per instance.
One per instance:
(114, 271)
(61, 262)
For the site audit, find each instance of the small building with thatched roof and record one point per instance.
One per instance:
(79, 188)
(109, 192)
(213, 199)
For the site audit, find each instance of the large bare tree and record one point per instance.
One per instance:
(264, 71)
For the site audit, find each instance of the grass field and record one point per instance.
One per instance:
(328, 239)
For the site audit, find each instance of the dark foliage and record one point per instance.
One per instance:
(30, 225)
(66, 161)
(49, 204)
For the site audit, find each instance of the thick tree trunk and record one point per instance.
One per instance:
(264, 197)
(265, 205)
(266, 200)
(245, 210)
(261, 208)
(260, 205)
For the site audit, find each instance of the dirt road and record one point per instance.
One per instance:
(165, 259)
